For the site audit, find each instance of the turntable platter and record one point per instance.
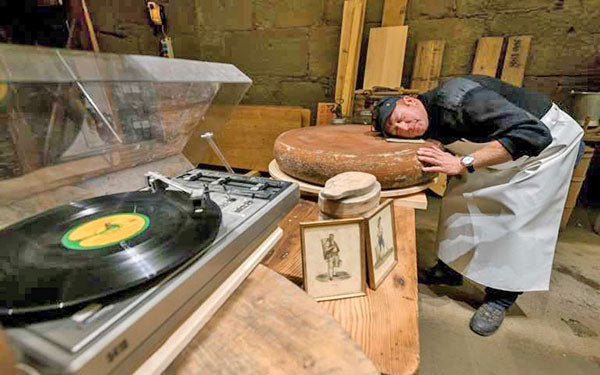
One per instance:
(90, 249)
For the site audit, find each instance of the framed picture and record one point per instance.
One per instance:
(333, 258)
(382, 256)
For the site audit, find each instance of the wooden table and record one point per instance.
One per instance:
(270, 326)
(385, 322)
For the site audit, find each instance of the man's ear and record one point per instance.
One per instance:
(410, 100)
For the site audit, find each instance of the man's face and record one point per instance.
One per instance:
(408, 120)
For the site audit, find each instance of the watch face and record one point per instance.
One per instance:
(467, 160)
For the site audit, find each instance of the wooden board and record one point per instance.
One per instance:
(385, 56)
(325, 113)
(247, 138)
(428, 65)
(349, 53)
(177, 342)
(394, 12)
(270, 326)
(385, 322)
(487, 56)
(515, 60)
(314, 190)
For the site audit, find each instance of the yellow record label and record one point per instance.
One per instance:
(105, 231)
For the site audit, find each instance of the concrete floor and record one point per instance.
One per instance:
(555, 332)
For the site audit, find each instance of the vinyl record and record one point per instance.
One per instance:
(93, 248)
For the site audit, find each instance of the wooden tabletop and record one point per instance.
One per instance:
(385, 322)
(270, 326)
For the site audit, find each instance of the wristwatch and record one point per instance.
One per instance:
(468, 161)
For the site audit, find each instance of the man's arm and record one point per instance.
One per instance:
(444, 162)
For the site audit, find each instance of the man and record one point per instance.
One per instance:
(500, 217)
(331, 254)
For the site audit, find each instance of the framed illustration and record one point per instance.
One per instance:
(333, 258)
(382, 256)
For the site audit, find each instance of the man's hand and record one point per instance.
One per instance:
(439, 161)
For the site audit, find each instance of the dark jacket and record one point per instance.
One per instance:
(482, 109)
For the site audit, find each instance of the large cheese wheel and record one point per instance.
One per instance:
(315, 154)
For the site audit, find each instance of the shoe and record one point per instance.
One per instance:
(440, 274)
(487, 319)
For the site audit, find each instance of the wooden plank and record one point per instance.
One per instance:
(385, 322)
(349, 53)
(325, 113)
(394, 12)
(177, 342)
(515, 60)
(247, 139)
(487, 56)
(385, 56)
(428, 65)
(269, 326)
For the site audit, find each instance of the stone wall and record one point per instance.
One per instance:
(289, 48)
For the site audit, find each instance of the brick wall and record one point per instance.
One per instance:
(289, 48)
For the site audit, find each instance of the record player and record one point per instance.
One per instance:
(95, 285)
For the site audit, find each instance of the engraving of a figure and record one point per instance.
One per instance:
(379, 253)
(331, 254)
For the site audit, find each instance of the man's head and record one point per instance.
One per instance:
(404, 117)
(330, 236)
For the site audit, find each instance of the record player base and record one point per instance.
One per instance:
(384, 323)
(267, 325)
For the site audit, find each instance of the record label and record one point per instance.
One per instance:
(105, 231)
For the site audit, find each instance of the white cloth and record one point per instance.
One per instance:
(499, 226)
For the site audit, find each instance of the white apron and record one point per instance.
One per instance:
(499, 226)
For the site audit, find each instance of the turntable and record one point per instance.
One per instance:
(96, 285)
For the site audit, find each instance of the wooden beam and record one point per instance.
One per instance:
(428, 65)
(394, 12)
(487, 56)
(513, 70)
(385, 57)
(350, 39)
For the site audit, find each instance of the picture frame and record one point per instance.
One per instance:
(333, 258)
(381, 247)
